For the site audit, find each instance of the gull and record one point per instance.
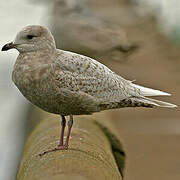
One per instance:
(66, 83)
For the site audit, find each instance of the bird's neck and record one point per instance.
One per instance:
(35, 58)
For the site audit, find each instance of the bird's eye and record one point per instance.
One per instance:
(30, 36)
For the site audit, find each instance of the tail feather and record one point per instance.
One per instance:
(158, 103)
(143, 91)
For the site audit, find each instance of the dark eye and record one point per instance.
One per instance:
(30, 36)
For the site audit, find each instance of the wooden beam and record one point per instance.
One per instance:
(89, 155)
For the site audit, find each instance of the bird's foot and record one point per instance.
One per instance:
(60, 147)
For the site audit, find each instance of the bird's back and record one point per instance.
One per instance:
(91, 77)
(83, 74)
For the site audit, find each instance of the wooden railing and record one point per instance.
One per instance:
(94, 152)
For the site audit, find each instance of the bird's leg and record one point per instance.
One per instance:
(60, 146)
(70, 124)
(63, 124)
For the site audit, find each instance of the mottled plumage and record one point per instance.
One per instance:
(67, 83)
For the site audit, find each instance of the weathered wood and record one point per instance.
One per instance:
(88, 157)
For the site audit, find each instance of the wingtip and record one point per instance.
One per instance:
(165, 93)
(149, 91)
(174, 106)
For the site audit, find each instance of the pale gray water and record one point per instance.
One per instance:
(13, 107)
(166, 11)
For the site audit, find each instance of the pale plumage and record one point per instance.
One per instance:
(67, 83)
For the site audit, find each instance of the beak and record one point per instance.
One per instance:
(8, 46)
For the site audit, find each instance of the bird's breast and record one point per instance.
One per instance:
(36, 85)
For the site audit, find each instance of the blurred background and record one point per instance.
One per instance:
(14, 109)
(138, 39)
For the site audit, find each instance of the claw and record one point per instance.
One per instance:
(64, 147)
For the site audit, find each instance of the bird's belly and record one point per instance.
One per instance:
(45, 94)
(40, 98)
(49, 100)
(55, 104)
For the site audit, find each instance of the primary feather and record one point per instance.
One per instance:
(144, 91)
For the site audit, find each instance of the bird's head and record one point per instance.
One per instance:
(32, 38)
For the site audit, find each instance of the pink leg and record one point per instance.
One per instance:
(70, 124)
(60, 146)
(63, 125)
